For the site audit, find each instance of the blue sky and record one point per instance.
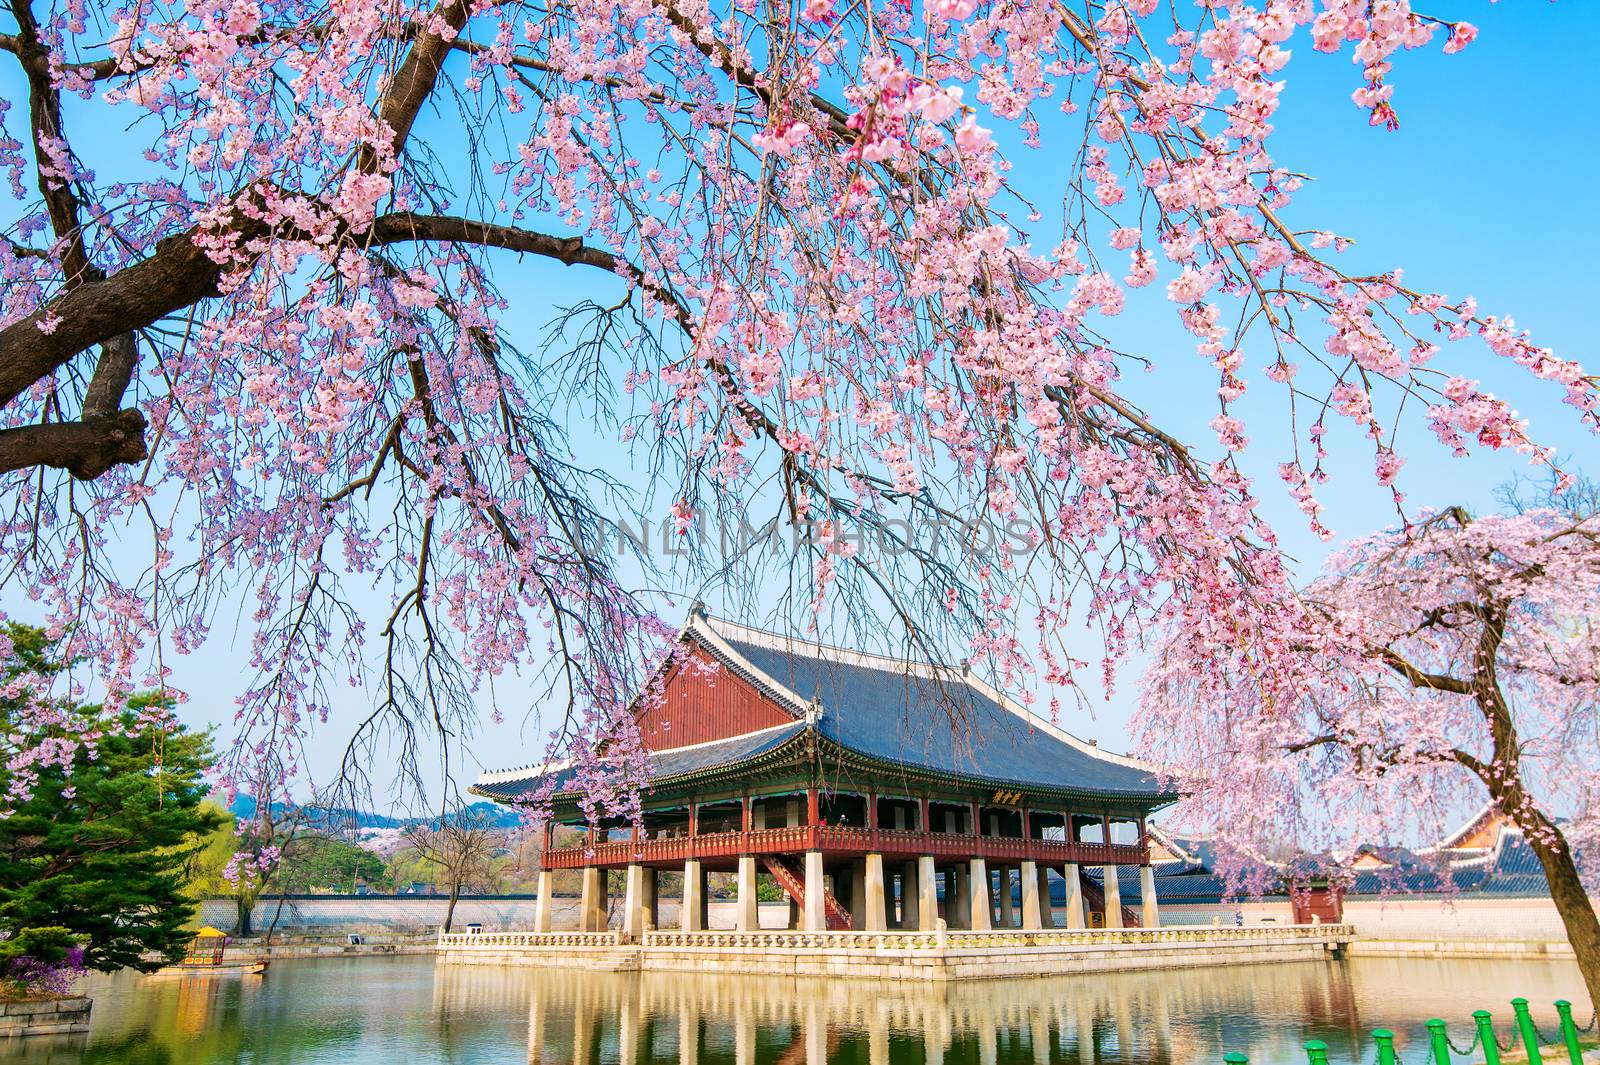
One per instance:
(1488, 188)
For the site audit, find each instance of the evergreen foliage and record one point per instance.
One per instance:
(94, 858)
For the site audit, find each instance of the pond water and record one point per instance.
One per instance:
(406, 1011)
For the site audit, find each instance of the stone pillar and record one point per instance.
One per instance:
(635, 905)
(958, 903)
(1113, 894)
(1030, 896)
(858, 896)
(1008, 917)
(747, 918)
(1151, 915)
(652, 900)
(1075, 914)
(1047, 917)
(910, 896)
(982, 903)
(691, 915)
(816, 913)
(877, 918)
(927, 894)
(796, 918)
(592, 907)
(544, 911)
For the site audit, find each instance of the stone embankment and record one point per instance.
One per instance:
(51, 1016)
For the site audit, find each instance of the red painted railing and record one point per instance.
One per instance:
(833, 839)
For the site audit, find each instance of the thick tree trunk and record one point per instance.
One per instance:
(1571, 900)
(243, 907)
(1504, 779)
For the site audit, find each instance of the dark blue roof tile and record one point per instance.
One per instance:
(947, 726)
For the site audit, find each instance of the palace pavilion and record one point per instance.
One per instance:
(879, 794)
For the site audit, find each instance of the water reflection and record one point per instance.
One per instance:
(379, 1011)
(1159, 1018)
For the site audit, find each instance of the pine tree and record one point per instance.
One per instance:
(94, 859)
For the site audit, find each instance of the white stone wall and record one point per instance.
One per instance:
(1227, 914)
(365, 913)
(1532, 920)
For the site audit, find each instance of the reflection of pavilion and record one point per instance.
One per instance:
(839, 776)
(1160, 1019)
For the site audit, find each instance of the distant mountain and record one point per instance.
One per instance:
(340, 818)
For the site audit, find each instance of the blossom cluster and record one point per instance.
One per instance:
(801, 223)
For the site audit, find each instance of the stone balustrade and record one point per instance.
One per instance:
(958, 954)
(498, 941)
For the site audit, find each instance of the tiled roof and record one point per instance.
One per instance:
(928, 718)
(945, 723)
(663, 764)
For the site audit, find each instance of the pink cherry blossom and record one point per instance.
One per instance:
(288, 361)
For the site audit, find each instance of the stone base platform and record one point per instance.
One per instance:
(929, 956)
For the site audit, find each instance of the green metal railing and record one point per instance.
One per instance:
(1442, 1050)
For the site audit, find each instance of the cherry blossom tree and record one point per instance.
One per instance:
(257, 323)
(1452, 659)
